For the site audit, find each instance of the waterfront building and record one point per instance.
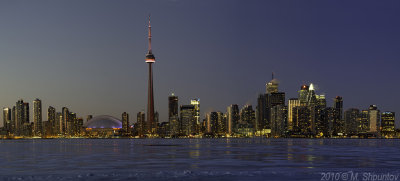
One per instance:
(247, 116)
(374, 119)
(338, 121)
(141, 124)
(292, 103)
(262, 112)
(125, 122)
(187, 120)
(232, 118)
(196, 104)
(65, 119)
(173, 117)
(351, 117)
(212, 120)
(302, 123)
(388, 124)
(278, 120)
(363, 122)
(37, 117)
(51, 118)
(7, 123)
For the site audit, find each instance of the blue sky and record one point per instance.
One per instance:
(89, 55)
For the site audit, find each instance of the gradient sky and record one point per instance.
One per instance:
(89, 55)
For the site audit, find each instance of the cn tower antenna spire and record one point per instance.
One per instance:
(149, 35)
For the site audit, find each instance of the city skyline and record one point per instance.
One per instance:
(190, 80)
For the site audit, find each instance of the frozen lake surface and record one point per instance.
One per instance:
(195, 159)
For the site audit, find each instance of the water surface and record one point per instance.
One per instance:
(194, 159)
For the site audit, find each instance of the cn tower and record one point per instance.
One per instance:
(150, 59)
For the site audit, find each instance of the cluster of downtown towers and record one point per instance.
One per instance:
(306, 116)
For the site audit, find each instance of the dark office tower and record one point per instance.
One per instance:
(363, 122)
(272, 86)
(125, 122)
(388, 124)
(374, 119)
(26, 113)
(187, 120)
(232, 116)
(351, 120)
(150, 59)
(70, 130)
(59, 123)
(262, 112)
(37, 117)
(13, 119)
(65, 119)
(212, 122)
(221, 123)
(173, 116)
(19, 116)
(338, 123)
(321, 123)
(51, 118)
(247, 116)
(172, 105)
(278, 120)
(330, 116)
(7, 119)
(302, 124)
(141, 124)
(338, 105)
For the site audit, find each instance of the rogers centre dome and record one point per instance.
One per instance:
(103, 121)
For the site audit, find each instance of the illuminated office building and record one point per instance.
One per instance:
(374, 119)
(37, 117)
(7, 123)
(292, 103)
(173, 116)
(388, 124)
(232, 116)
(187, 120)
(141, 124)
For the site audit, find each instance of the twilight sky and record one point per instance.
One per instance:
(89, 55)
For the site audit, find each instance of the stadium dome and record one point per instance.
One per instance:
(104, 121)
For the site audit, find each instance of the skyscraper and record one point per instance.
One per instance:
(187, 120)
(338, 121)
(196, 104)
(293, 102)
(173, 116)
(125, 122)
(7, 119)
(65, 119)
(37, 117)
(141, 124)
(374, 119)
(351, 121)
(388, 124)
(150, 59)
(51, 117)
(232, 116)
